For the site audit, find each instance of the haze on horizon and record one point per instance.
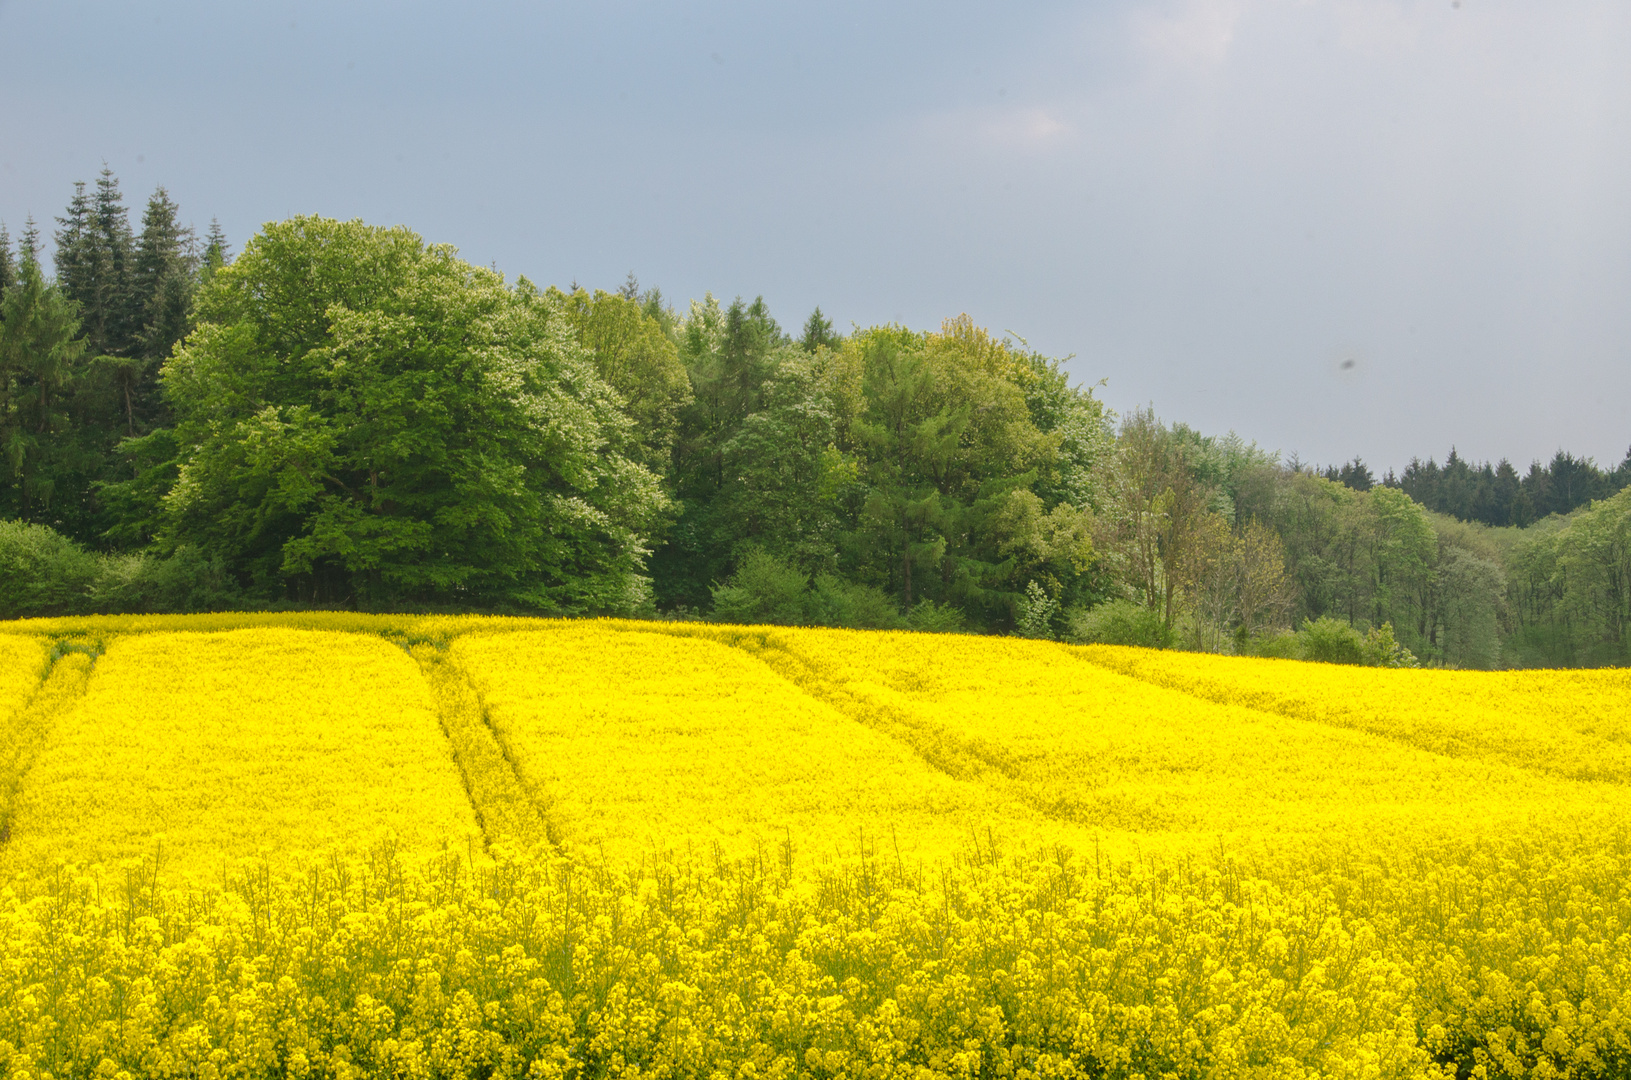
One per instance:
(1337, 227)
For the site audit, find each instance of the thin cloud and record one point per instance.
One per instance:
(1198, 35)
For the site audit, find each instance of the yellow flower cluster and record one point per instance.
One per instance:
(706, 851)
(21, 660)
(203, 748)
(1501, 961)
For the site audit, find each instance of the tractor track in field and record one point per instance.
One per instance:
(66, 672)
(507, 805)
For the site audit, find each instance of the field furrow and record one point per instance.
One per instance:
(214, 747)
(27, 729)
(646, 742)
(1573, 724)
(509, 815)
(1106, 751)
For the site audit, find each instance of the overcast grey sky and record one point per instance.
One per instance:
(1213, 204)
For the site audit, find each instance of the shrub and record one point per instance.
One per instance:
(1120, 622)
(143, 584)
(1283, 645)
(1331, 641)
(1036, 610)
(764, 589)
(832, 601)
(1382, 649)
(42, 572)
(932, 618)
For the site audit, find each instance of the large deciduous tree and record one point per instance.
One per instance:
(364, 417)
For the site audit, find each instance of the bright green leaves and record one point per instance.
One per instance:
(364, 417)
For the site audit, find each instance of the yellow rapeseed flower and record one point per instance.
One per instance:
(216, 747)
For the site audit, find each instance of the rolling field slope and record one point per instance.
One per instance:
(652, 743)
(342, 845)
(215, 747)
(1574, 724)
(1089, 745)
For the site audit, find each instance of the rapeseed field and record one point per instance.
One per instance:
(198, 749)
(332, 845)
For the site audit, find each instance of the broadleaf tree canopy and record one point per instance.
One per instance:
(364, 417)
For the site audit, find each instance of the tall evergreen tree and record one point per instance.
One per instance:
(162, 279)
(216, 251)
(72, 229)
(95, 256)
(818, 332)
(164, 269)
(47, 471)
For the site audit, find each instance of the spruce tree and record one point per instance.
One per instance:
(41, 371)
(95, 252)
(28, 245)
(164, 250)
(216, 252)
(818, 332)
(71, 232)
(120, 313)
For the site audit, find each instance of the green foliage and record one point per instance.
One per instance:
(1036, 612)
(144, 583)
(364, 417)
(764, 589)
(638, 360)
(1331, 641)
(1569, 585)
(1382, 649)
(1121, 622)
(47, 464)
(1496, 495)
(42, 572)
(1282, 645)
(346, 416)
(929, 617)
(818, 333)
(832, 601)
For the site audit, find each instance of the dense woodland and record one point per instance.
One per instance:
(344, 416)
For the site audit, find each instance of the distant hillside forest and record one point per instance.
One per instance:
(345, 416)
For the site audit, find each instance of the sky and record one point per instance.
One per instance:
(1340, 228)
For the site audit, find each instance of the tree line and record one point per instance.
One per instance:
(346, 415)
(1495, 494)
